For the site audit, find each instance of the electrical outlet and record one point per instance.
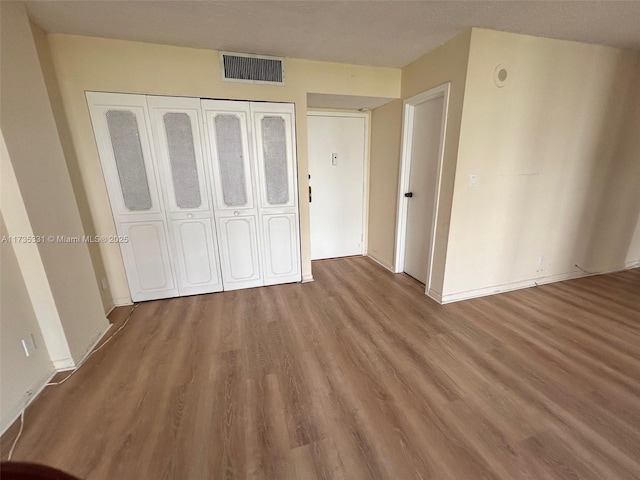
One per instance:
(540, 263)
(334, 159)
(104, 284)
(29, 345)
(473, 181)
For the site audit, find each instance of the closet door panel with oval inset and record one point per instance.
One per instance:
(146, 252)
(186, 182)
(275, 163)
(236, 212)
(123, 137)
(240, 256)
(196, 256)
(282, 264)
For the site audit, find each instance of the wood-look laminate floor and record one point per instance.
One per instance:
(357, 375)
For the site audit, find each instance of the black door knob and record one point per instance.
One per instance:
(409, 194)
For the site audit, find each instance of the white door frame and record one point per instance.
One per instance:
(405, 170)
(365, 172)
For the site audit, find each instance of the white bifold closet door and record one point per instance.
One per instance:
(236, 211)
(176, 124)
(205, 191)
(278, 199)
(122, 130)
(152, 158)
(256, 202)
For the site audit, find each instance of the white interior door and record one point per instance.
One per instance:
(121, 127)
(277, 181)
(176, 125)
(423, 180)
(337, 149)
(236, 212)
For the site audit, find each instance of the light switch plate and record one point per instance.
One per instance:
(29, 345)
(334, 159)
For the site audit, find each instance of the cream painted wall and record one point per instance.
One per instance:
(86, 63)
(51, 81)
(33, 274)
(19, 373)
(557, 156)
(614, 222)
(33, 144)
(23, 311)
(386, 135)
(447, 63)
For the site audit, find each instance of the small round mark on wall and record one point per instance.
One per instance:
(500, 75)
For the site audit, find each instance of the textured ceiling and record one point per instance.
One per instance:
(385, 33)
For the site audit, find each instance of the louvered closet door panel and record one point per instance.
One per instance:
(176, 123)
(123, 137)
(229, 150)
(275, 163)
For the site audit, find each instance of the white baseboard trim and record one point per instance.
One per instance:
(307, 277)
(26, 399)
(64, 364)
(118, 302)
(123, 302)
(434, 295)
(379, 261)
(625, 266)
(96, 339)
(483, 292)
(633, 264)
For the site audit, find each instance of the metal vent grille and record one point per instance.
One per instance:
(240, 67)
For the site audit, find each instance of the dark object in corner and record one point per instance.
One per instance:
(31, 471)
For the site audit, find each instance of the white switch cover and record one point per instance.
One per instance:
(29, 345)
(334, 159)
(473, 181)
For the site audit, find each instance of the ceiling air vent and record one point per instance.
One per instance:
(241, 67)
